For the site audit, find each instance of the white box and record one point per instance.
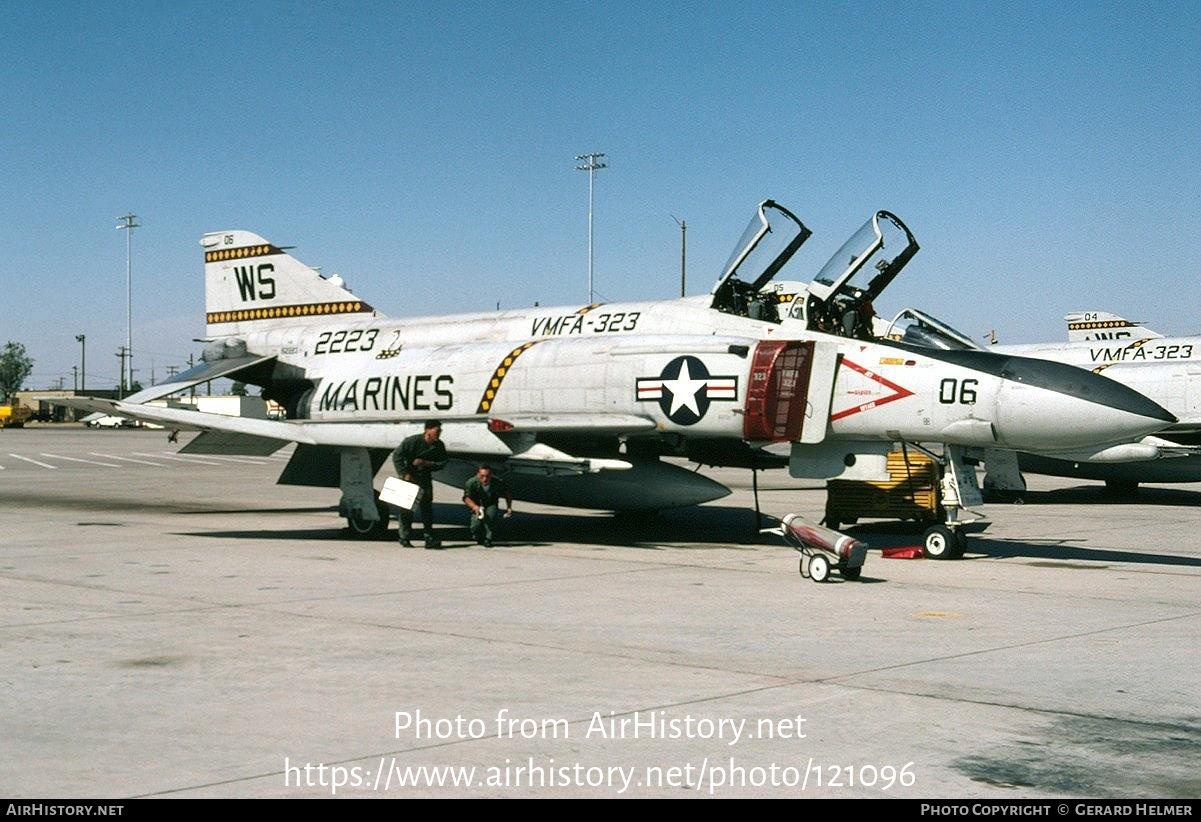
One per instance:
(400, 493)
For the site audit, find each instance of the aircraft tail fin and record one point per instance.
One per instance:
(1101, 325)
(250, 284)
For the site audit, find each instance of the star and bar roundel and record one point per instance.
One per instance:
(685, 388)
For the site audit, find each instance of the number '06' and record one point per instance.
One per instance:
(954, 391)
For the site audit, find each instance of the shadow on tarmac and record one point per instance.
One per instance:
(1051, 553)
(1100, 495)
(700, 527)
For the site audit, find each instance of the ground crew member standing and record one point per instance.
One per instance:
(482, 493)
(416, 459)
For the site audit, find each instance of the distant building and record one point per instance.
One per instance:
(45, 412)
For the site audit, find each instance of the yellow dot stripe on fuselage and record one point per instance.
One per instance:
(498, 376)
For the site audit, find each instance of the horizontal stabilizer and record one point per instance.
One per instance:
(194, 376)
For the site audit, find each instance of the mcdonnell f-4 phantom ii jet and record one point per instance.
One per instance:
(580, 403)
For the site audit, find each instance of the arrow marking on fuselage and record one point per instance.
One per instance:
(900, 391)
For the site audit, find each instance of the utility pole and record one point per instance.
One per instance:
(127, 224)
(121, 355)
(83, 362)
(591, 164)
(75, 378)
(683, 224)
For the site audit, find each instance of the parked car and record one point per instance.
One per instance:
(111, 422)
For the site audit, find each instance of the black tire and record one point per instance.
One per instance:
(851, 574)
(361, 528)
(939, 542)
(960, 543)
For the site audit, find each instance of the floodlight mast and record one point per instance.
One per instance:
(590, 163)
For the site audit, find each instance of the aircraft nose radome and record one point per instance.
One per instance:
(1048, 406)
(1085, 385)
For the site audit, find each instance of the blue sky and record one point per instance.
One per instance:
(1045, 155)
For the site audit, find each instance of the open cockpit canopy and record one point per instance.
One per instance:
(839, 299)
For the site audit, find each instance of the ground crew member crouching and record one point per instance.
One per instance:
(482, 494)
(416, 459)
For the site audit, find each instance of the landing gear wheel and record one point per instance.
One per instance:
(941, 542)
(363, 528)
(819, 568)
(960, 543)
(832, 522)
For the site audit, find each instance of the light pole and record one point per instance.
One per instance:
(83, 362)
(590, 163)
(127, 224)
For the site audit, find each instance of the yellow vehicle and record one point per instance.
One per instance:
(14, 416)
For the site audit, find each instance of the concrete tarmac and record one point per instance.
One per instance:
(181, 626)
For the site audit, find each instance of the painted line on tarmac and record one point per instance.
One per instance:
(77, 459)
(191, 460)
(243, 460)
(128, 459)
(35, 462)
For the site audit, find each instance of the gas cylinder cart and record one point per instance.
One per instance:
(821, 549)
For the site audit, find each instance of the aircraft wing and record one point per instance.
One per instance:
(476, 437)
(466, 437)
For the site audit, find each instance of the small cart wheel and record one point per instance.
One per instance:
(850, 573)
(819, 568)
(940, 542)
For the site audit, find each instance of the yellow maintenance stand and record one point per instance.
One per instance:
(913, 491)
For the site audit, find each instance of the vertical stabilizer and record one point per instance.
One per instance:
(1101, 325)
(250, 285)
